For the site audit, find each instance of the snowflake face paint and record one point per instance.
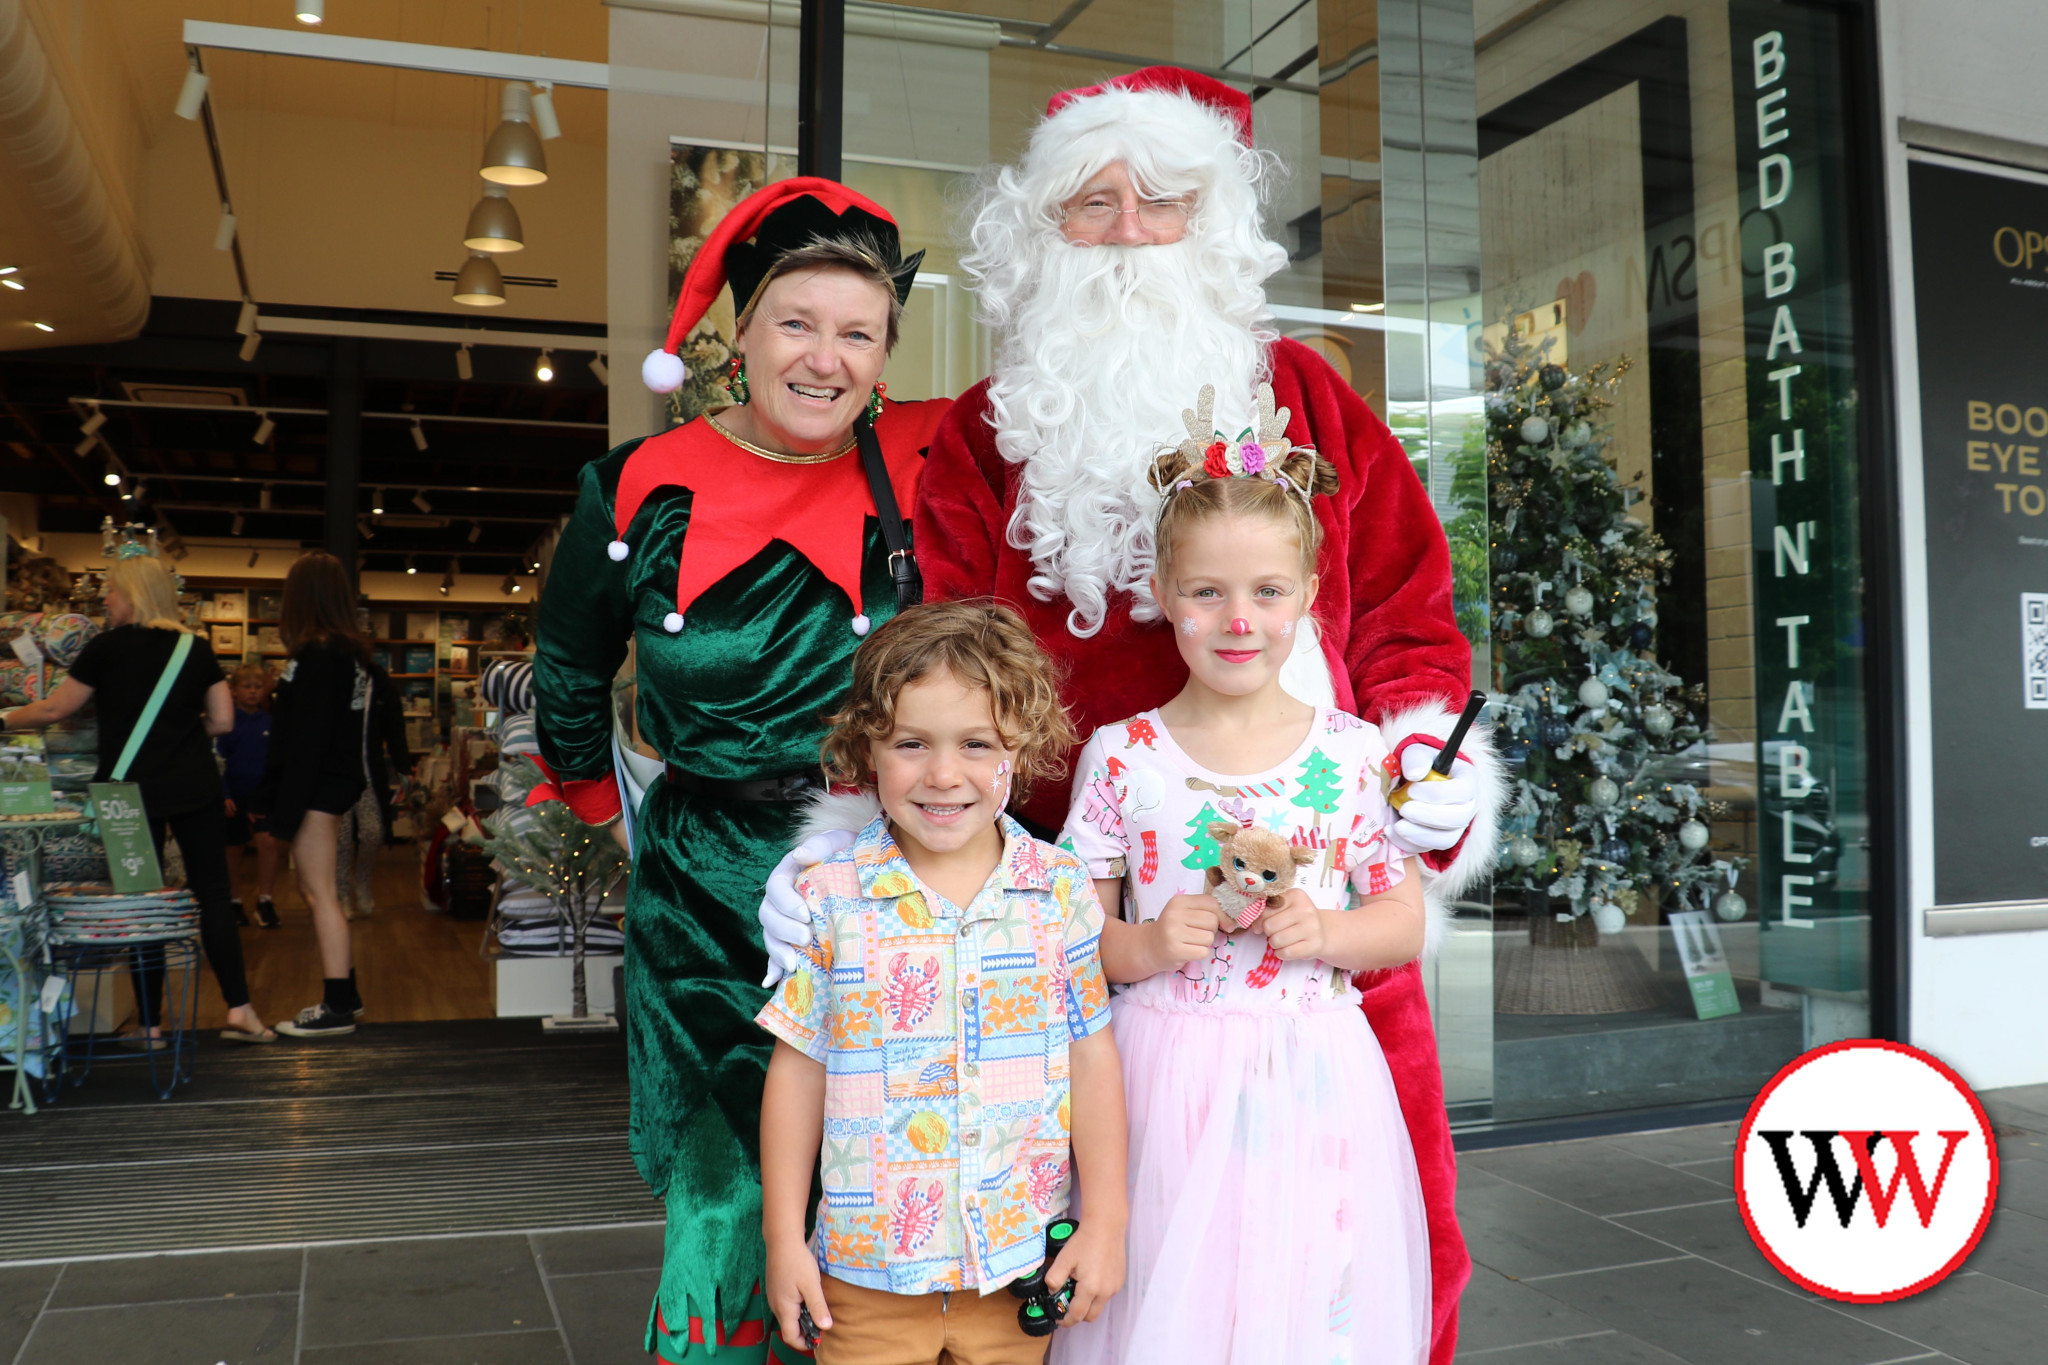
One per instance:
(1000, 787)
(1287, 629)
(1188, 626)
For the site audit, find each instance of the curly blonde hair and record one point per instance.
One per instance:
(985, 647)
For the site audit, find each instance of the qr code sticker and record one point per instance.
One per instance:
(2034, 648)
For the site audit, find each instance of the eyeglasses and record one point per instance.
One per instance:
(1099, 215)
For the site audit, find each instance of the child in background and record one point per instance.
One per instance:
(944, 1040)
(243, 751)
(1275, 1209)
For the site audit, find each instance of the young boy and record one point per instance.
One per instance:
(242, 752)
(945, 1041)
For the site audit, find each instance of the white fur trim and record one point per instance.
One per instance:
(1473, 866)
(850, 812)
(663, 371)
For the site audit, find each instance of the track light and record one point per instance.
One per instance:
(12, 283)
(604, 376)
(235, 528)
(514, 156)
(419, 435)
(127, 493)
(191, 95)
(363, 527)
(544, 121)
(476, 530)
(9, 269)
(245, 321)
(263, 497)
(419, 500)
(478, 284)
(224, 234)
(376, 502)
(113, 477)
(141, 489)
(509, 586)
(85, 446)
(410, 567)
(448, 578)
(544, 368)
(310, 11)
(93, 422)
(494, 223)
(463, 368)
(264, 429)
(254, 555)
(249, 345)
(42, 326)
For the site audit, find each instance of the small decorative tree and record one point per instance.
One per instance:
(1203, 851)
(546, 847)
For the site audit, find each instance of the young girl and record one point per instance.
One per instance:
(1275, 1211)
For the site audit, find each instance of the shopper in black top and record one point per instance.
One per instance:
(314, 772)
(181, 787)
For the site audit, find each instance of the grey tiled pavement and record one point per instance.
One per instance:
(1630, 1249)
(1601, 1251)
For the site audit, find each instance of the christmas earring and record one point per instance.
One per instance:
(736, 380)
(874, 410)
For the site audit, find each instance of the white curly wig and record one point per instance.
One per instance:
(1102, 346)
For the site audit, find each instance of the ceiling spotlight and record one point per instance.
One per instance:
(235, 529)
(419, 500)
(86, 445)
(310, 11)
(9, 269)
(604, 376)
(113, 478)
(191, 94)
(419, 435)
(494, 223)
(42, 326)
(476, 530)
(410, 567)
(363, 527)
(254, 555)
(224, 235)
(93, 423)
(12, 283)
(463, 368)
(263, 497)
(544, 121)
(518, 588)
(376, 502)
(513, 156)
(509, 586)
(264, 429)
(245, 321)
(141, 489)
(249, 345)
(544, 368)
(478, 283)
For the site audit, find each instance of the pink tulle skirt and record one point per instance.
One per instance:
(1276, 1218)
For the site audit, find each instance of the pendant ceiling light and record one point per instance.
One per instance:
(478, 283)
(494, 223)
(514, 156)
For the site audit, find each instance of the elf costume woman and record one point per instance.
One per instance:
(744, 553)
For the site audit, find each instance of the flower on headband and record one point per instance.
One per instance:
(1253, 456)
(1216, 460)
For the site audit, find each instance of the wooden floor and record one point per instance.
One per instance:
(411, 964)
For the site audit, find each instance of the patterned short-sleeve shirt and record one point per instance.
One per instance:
(944, 1034)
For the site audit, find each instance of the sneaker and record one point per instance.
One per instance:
(241, 915)
(266, 912)
(317, 1021)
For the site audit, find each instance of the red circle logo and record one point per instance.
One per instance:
(1866, 1171)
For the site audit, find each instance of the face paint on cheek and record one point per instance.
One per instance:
(1287, 630)
(999, 787)
(1187, 625)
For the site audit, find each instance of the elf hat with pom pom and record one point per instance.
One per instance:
(1234, 105)
(751, 241)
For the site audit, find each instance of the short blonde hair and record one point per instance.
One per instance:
(986, 647)
(147, 585)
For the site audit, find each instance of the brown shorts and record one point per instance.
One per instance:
(874, 1327)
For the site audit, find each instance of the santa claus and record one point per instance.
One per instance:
(1122, 264)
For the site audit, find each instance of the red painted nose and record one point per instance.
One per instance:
(1240, 626)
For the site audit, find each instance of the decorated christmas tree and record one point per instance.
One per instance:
(546, 847)
(1592, 724)
(1203, 851)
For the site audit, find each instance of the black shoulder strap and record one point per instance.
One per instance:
(902, 564)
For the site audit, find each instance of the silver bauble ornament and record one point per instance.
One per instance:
(1608, 919)
(1602, 792)
(1593, 693)
(1535, 431)
(1692, 836)
(1525, 851)
(1730, 906)
(1577, 435)
(1657, 719)
(1578, 602)
(1538, 624)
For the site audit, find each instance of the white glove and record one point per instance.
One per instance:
(785, 918)
(1436, 814)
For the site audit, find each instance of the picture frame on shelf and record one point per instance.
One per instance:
(230, 605)
(227, 640)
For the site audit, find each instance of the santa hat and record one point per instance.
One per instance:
(751, 240)
(1233, 105)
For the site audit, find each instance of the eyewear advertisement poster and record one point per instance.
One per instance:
(1706, 965)
(1980, 283)
(124, 830)
(25, 777)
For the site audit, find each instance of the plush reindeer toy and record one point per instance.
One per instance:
(1254, 865)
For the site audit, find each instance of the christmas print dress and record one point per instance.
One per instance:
(1275, 1207)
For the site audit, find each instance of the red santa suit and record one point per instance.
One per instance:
(1395, 654)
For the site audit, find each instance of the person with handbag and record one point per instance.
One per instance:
(745, 555)
(161, 699)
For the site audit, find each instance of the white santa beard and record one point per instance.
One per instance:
(1113, 344)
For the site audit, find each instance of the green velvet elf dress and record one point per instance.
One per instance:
(747, 583)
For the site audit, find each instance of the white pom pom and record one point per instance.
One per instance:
(673, 622)
(618, 550)
(663, 371)
(861, 624)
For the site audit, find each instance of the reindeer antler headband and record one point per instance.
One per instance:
(1255, 452)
